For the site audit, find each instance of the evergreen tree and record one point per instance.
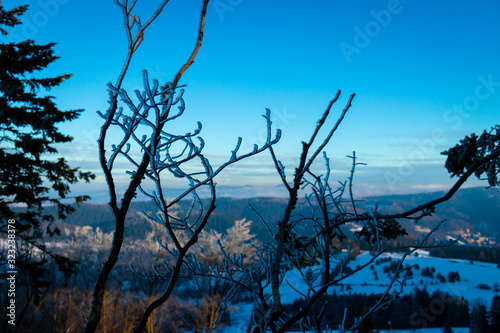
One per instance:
(368, 325)
(478, 320)
(463, 314)
(494, 314)
(422, 297)
(29, 177)
(447, 328)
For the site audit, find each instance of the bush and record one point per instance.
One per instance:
(392, 268)
(483, 286)
(428, 272)
(453, 276)
(408, 273)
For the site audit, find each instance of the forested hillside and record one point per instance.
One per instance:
(473, 209)
(477, 209)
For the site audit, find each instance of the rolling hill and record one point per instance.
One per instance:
(473, 213)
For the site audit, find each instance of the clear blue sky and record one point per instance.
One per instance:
(426, 73)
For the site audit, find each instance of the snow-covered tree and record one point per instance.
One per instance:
(212, 293)
(145, 122)
(297, 239)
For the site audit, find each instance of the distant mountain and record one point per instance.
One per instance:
(475, 209)
(472, 212)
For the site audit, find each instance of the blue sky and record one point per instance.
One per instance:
(425, 74)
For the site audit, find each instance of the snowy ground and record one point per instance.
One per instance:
(363, 281)
(471, 275)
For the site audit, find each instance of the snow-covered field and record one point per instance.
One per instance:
(471, 275)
